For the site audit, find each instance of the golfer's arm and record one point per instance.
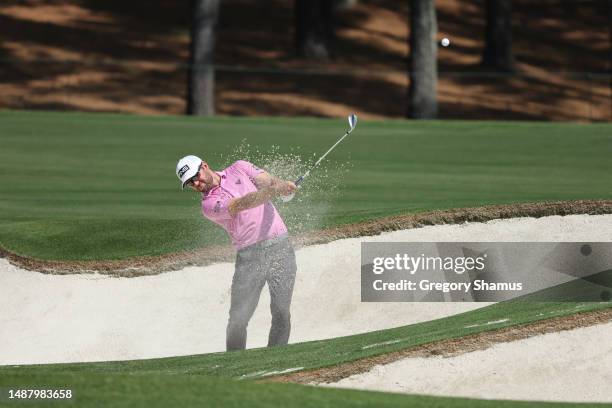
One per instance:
(268, 188)
(251, 200)
(265, 179)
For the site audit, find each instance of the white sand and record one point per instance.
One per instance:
(566, 366)
(51, 318)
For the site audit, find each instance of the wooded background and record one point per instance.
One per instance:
(507, 59)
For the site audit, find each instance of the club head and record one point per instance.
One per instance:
(286, 199)
(352, 119)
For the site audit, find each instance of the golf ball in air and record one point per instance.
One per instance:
(445, 42)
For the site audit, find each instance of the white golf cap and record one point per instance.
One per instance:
(187, 167)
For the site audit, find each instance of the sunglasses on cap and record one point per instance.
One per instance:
(194, 178)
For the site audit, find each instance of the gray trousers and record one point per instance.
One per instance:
(271, 262)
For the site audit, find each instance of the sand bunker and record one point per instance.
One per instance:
(91, 317)
(566, 366)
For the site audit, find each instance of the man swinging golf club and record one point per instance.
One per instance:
(238, 199)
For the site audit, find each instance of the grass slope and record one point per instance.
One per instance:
(100, 186)
(262, 362)
(124, 390)
(212, 378)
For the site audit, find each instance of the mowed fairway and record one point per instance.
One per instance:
(226, 379)
(92, 186)
(97, 186)
(158, 390)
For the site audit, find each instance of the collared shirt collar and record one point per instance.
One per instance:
(222, 176)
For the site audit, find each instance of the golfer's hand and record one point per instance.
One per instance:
(285, 188)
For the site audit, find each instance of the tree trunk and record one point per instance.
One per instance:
(344, 4)
(422, 95)
(201, 88)
(498, 35)
(313, 28)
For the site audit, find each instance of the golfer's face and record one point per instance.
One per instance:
(204, 181)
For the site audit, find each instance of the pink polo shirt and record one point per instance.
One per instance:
(249, 226)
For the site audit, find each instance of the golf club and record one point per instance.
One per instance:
(352, 119)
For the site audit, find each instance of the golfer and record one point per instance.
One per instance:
(238, 199)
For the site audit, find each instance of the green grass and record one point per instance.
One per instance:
(124, 390)
(97, 186)
(213, 378)
(257, 363)
(79, 186)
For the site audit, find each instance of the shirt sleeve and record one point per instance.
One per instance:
(249, 169)
(216, 208)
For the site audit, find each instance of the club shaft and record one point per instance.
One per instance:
(301, 178)
(330, 149)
